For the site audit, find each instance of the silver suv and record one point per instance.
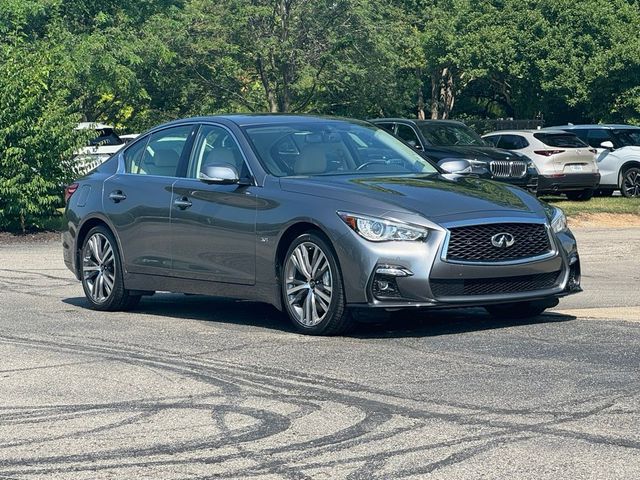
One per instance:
(617, 154)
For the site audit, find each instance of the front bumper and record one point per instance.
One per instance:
(427, 271)
(568, 182)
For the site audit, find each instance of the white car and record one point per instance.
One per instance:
(617, 153)
(565, 163)
(100, 148)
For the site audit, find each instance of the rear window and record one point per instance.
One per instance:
(566, 140)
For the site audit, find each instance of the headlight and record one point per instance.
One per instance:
(558, 221)
(381, 230)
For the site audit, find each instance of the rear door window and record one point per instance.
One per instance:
(162, 154)
(513, 142)
(564, 140)
(133, 155)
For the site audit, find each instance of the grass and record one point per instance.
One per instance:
(612, 205)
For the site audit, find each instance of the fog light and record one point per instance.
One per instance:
(385, 287)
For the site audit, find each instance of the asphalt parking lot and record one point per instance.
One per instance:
(195, 387)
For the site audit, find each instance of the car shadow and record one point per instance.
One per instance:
(418, 323)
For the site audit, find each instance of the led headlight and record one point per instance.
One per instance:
(380, 230)
(558, 221)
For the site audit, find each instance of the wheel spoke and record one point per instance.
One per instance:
(314, 309)
(306, 316)
(295, 289)
(108, 281)
(93, 245)
(107, 256)
(322, 296)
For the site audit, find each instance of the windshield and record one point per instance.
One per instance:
(628, 137)
(449, 134)
(332, 147)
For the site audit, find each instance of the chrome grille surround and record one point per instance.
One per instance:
(471, 244)
(508, 168)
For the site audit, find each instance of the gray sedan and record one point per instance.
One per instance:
(321, 217)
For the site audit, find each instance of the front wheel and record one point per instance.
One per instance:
(101, 272)
(581, 195)
(312, 291)
(519, 310)
(630, 184)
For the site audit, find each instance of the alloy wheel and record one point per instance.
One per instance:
(98, 267)
(309, 284)
(631, 183)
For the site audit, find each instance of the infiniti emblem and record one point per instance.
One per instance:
(502, 240)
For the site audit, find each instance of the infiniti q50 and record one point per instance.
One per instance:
(320, 217)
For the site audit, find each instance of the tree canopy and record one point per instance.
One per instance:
(136, 64)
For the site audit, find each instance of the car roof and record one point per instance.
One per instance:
(599, 125)
(522, 132)
(246, 119)
(414, 120)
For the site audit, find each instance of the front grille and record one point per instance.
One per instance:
(504, 169)
(473, 243)
(493, 286)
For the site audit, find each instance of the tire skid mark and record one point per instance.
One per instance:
(233, 380)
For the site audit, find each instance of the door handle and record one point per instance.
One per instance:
(182, 203)
(117, 196)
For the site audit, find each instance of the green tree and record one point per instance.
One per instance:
(37, 137)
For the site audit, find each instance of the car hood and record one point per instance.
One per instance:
(432, 196)
(469, 152)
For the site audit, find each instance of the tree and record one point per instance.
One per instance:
(37, 137)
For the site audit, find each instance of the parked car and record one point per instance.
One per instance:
(565, 163)
(105, 143)
(319, 217)
(617, 155)
(456, 147)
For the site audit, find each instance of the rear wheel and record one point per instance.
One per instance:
(630, 183)
(312, 290)
(580, 195)
(101, 272)
(520, 309)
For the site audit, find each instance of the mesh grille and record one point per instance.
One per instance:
(508, 169)
(494, 286)
(473, 243)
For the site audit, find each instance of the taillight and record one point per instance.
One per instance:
(548, 153)
(70, 190)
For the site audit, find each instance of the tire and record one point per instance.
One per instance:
(580, 195)
(312, 291)
(520, 310)
(101, 272)
(630, 183)
(604, 192)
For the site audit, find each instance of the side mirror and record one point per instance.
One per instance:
(219, 173)
(608, 145)
(456, 166)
